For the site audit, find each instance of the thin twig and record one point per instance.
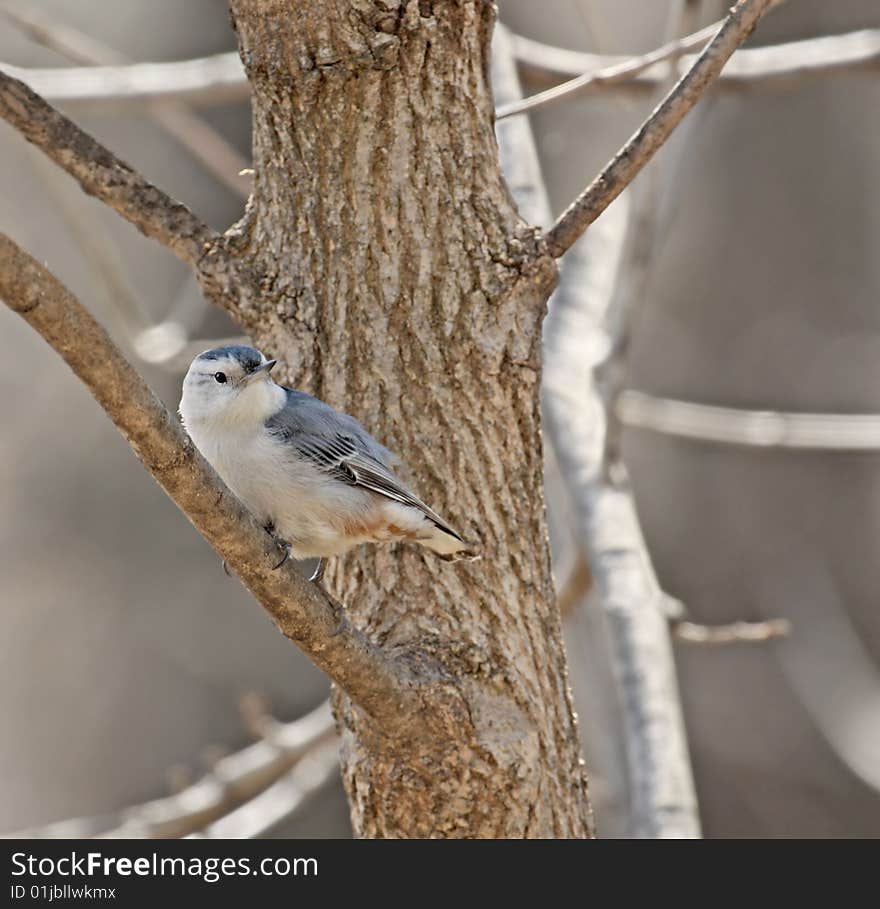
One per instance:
(220, 79)
(232, 781)
(644, 144)
(65, 40)
(751, 67)
(623, 71)
(101, 174)
(649, 211)
(97, 249)
(301, 610)
(266, 812)
(734, 633)
(191, 130)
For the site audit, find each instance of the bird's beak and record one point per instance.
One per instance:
(263, 367)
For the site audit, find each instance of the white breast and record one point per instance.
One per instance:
(307, 507)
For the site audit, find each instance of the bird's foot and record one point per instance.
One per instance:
(318, 574)
(284, 546)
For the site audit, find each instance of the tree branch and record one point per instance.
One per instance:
(302, 611)
(644, 144)
(101, 174)
(622, 71)
(188, 128)
(218, 79)
(733, 633)
(264, 813)
(750, 67)
(758, 428)
(233, 781)
(661, 790)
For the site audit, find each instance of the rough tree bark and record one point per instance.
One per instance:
(398, 282)
(381, 257)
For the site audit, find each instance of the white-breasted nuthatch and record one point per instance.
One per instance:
(315, 478)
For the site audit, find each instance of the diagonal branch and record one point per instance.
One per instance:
(624, 71)
(101, 174)
(233, 781)
(651, 135)
(302, 611)
(188, 128)
(262, 815)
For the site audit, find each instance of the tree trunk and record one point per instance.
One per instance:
(397, 282)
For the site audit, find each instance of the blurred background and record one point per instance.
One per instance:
(130, 662)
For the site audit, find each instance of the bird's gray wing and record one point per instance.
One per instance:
(344, 458)
(338, 444)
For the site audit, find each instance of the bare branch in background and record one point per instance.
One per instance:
(662, 798)
(65, 40)
(751, 67)
(231, 781)
(301, 610)
(101, 174)
(281, 801)
(218, 79)
(651, 135)
(576, 343)
(167, 343)
(734, 633)
(649, 211)
(597, 79)
(758, 428)
(97, 248)
(192, 131)
(602, 280)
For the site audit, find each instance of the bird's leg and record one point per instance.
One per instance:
(318, 574)
(283, 545)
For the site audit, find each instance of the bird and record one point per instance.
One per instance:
(315, 478)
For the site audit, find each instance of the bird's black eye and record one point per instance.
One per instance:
(220, 377)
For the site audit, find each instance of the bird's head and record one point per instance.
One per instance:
(230, 385)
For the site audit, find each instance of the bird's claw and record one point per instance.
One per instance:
(318, 574)
(285, 547)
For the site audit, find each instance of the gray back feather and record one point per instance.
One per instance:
(337, 443)
(304, 416)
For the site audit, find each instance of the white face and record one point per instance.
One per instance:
(229, 385)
